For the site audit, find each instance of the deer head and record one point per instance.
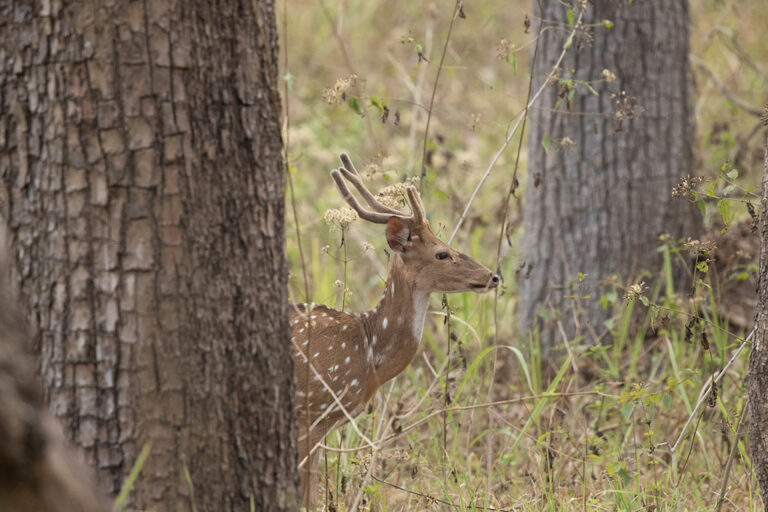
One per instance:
(429, 263)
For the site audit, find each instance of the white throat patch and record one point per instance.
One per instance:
(420, 305)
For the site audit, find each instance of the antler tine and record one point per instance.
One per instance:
(375, 217)
(419, 215)
(353, 176)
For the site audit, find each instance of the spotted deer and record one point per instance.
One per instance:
(343, 358)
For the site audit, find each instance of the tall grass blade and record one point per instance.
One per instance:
(125, 490)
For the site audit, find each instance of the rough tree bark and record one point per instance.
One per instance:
(37, 470)
(141, 177)
(758, 362)
(599, 198)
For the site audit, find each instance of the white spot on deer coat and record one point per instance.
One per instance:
(384, 323)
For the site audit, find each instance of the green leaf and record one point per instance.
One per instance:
(571, 94)
(592, 89)
(607, 24)
(376, 102)
(569, 42)
(546, 142)
(702, 206)
(627, 409)
(288, 77)
(570, 14)
(733, 174)
(703, 267)
(724, 207)
(514, 63)
(354, 104)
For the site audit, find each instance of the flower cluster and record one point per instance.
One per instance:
(686, 186)
(340, 217)
(338, 93)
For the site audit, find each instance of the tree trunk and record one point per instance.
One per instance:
(758, 362)
(600, 196)
(37, 470)
(142, 181)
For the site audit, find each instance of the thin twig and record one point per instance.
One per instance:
(347, 60)
(512, 133)
(336, 399)
(707, 388)
(740, 52)
(430, 498)
(434, 91)
(738, 101)
(437, 412)
(286, 153)
(372, 462)
(731, 456)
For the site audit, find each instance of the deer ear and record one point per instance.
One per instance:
(398, 234)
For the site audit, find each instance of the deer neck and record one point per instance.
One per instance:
(395, 325)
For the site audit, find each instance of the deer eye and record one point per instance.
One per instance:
(441, 255)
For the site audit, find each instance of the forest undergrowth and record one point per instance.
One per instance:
(645, 412)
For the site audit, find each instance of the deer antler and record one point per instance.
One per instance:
(381, 213)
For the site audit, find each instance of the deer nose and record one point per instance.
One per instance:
(495, 280)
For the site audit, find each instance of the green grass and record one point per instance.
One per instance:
(564, 443)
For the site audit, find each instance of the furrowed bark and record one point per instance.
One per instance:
(758, 362)
(141, 168)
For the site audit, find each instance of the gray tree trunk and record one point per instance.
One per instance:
(758, 362)
(141, 177)
(598, 200)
